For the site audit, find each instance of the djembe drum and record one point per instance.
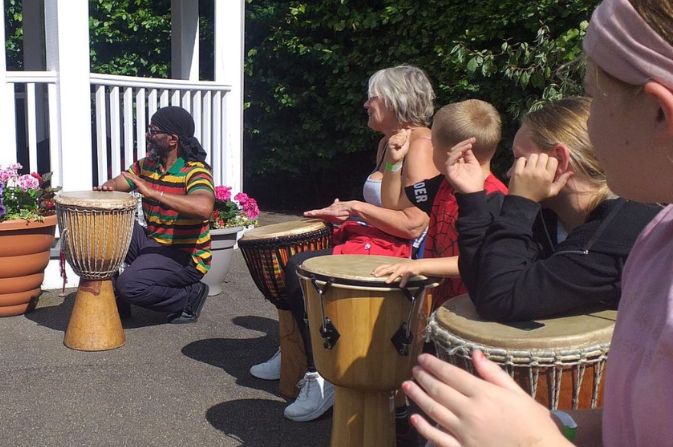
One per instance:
(365, 336)
(96, 229)
(559, 361)
(266, 251)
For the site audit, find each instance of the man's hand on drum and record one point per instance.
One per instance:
(535, 177)
(401, 270)
(107, 186)
(398, 145)
(463, 170)
(336, 213)
(141, 185)
(477, 412)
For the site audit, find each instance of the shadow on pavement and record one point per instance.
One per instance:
(220, 352)
(56, 316)
(238, 419)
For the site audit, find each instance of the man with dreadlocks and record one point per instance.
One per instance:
(167, 260)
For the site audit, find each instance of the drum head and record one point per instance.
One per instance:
(355, 270)
(291, 228)
(96, 199)
(459, 317)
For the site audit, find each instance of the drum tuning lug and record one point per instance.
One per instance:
(402, 340)
(329, 334)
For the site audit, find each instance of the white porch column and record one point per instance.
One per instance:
(229, 29)
(7, 118)
(185, 39)
(67, 41)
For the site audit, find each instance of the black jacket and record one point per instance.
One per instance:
(514, 269)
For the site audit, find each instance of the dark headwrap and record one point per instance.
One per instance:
(178, 121)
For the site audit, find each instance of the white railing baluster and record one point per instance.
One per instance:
(8, 154)
(175, 98)
(206, 124)
(186, 100)
(224, 148)
(115, 146)
(31, 124)
(128, 127)
(163, 100)
(217, 138)
(55, 159)
(151, 104)
(196, 114)
(141, 126)
(101, 135)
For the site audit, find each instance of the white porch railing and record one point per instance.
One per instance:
(122, 107)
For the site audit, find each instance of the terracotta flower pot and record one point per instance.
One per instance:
(24, 254)
(222, 245)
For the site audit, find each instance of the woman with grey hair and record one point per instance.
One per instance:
(399, 104)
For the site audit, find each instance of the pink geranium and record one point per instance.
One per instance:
(223, 193)
(241, 211)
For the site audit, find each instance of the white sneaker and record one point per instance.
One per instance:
(316, 396)
(269, 370)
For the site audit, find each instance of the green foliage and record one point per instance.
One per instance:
(307, 66)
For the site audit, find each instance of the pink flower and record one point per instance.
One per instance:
(241, 198)
(26, 182)
(223, 193)
(251, 209)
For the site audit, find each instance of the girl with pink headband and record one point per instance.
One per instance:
(630, 75)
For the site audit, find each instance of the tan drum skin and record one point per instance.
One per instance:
(559, 361)
(96, 229)
(266, 251)
(363, 364)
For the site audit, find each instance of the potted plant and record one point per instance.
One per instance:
(27, 227)
(230, 216)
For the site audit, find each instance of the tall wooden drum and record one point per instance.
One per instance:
(96, 229)
(266, 251)
(365, 336)
(559, 361)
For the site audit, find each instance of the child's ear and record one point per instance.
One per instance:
(562, 154)
(664, 98)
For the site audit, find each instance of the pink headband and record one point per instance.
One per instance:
(623, 45)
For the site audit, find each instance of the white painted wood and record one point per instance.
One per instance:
(206, 135)
(229, 29)
(217, 148)
(185, 39)
(163, 99)
(101, 134)
(128, 128)
(67, 45)
(31, 126)
(115, 130)
(141, 124)
(168, 84)
(175, 98)
(55, 159)
(7, 118)
(151, 104)
(186, 101)
(196, 114)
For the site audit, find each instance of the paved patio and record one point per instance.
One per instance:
(170, 385)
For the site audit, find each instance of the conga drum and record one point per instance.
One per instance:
(266, 251)
(96, 229)
(365, 336)
(559, 361)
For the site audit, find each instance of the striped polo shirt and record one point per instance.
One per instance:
(167, 226)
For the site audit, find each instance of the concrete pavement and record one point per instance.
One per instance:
(170, 385)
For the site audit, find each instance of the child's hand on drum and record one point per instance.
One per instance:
(336, 213)
(463, 405)
(535, 177)
(463, 170)
(402, 271)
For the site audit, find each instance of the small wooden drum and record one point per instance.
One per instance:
(365, 336)
(266, 251)
(559, 361)
(96, 229)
